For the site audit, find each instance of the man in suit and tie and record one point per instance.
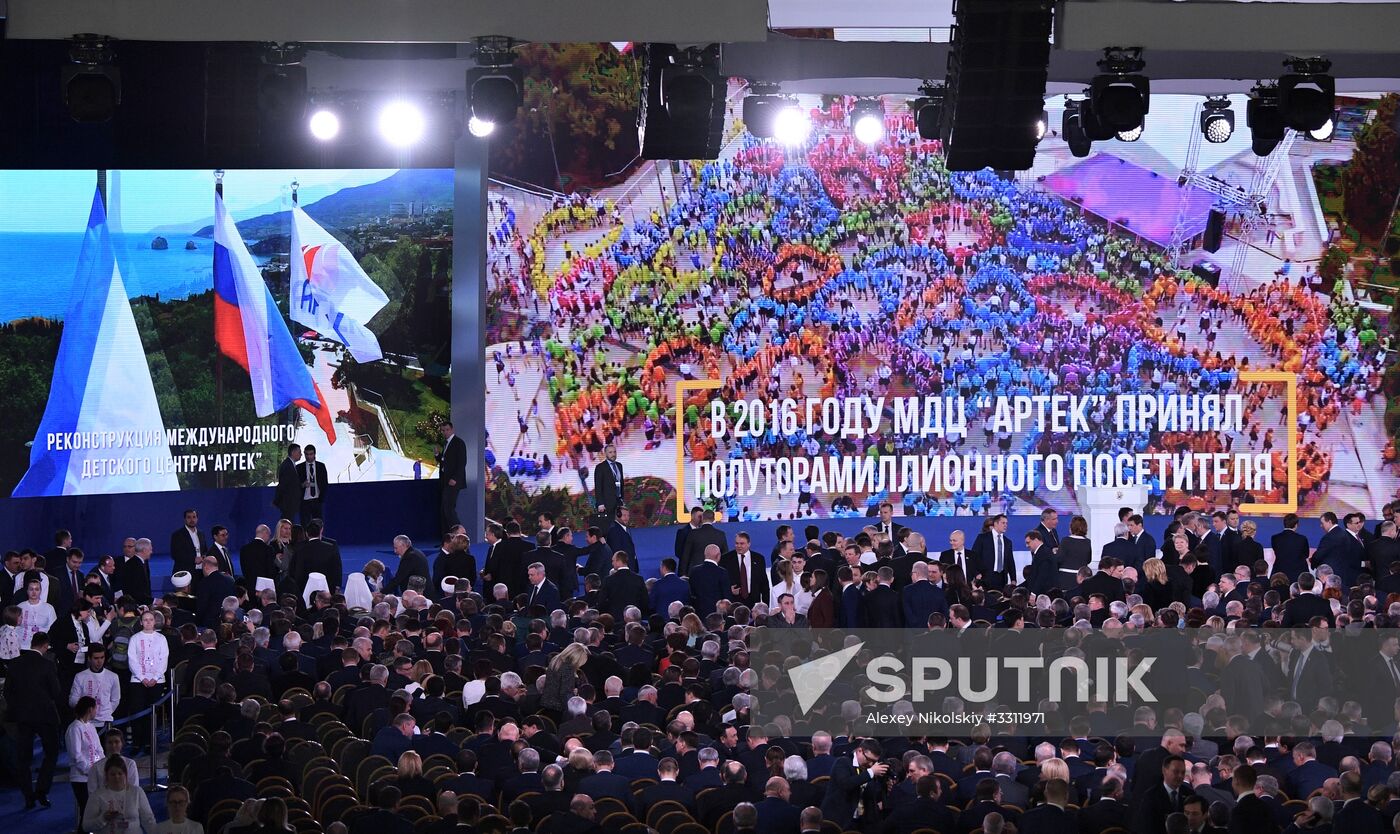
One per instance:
(1108, 580)
(542, 592)
(412, 563)
(700, 538)
(256, 559)
(921, 598)
(454, 558)
(70, 579)
(709, 583)
(608, 492)
(669, 588)
(1310, 676)
(1308, 774)
(1339, 549)
(748, 576)
(1138, 535)
(620, 538)
(1384, 549)
(855, 782)
(218, 548)
(314, 480)
(452, 475)
(1250, 814)
(597, 557)
(880, 607)
(287, 497)
(1122, 547)
(134, 576)
(1049, 519)
(1290, 548)
(957, 554)
(993, 550)
(34, 695)
(317, 555)
(621, 588)
(214, 587)
(55, 556)
(1044, 575)
(697, 517)
(1162, 796)
(1053, 817)
(1352, 815)
(508, 560)
(186, 543)
(1381, 685)
(887, 527)
(1300, 610)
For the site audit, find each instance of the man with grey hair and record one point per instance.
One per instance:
(134, 575)
(362, 702)
(256, 559)
(1004, 767)
(528, 780)
(412, 563)
(708, 776)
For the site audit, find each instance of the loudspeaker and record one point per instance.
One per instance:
(682, 103)
(1215, 230)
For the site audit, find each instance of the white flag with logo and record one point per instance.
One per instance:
(330, 293)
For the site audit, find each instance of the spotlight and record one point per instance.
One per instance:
(1129, 135)
(1217, 121)
(681, 110)
(1072, 129)
(868, 120)
(928, 110)
(480, 128)
(1306, 96)
(495, 86)
(1042, 125)
(792, 125)
(1324, 133)
(282, 95)
(324, 125)
(1119, 94)
(401, 124)
(1265, 119)
(92, 85)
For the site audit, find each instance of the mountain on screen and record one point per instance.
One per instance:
(360, 204)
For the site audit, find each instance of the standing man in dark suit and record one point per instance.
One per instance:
(256, 559)
(748, 576)
(55, 556)
(921, 597)
(1146, 545)
(186, 543)
(697, 517)
(623, 587)
(1339, 549)
(856, 782)
(33, 694)
(134, 576)
(608, 495)
(1310, 676)
(1053, 817)
(543, 592)
(1049, 519)
(880, 608)
(1122, 548)
(287, 498)
(1163, 795)
(214, 587)
(316, 555)
(1384, 549)
(313, 481)
(620, 538)
(1250, 815)
(1044, 574)
(886, 526)
(993, 550)
(452, 475)
(958, 554)
(699, 538)
(1300, 610)
(454, 558)
(671, 587)
(709, 583)
(412, 563)
(1107, 581)
(1290, 548)
(68, 573)
(218, 548)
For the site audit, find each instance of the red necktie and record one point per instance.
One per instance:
(743, 576)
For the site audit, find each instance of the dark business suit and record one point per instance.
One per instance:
(985, 548)
(709, 583)
(1300, 610)
(1342, 552)
(880, 608)
(256, 560)
(622, 588)
(458, 563)
(620, 538)
(1124, 551)
(412, 563)
(1312, 682)
(313, 507)
(1242, 685)
(1251, 816)
(1290, 552)
(1044, 575)
(1102, 583)
(1230, 556)
(452, 466)
(182, 549)
(1245, 551)
(1047, 819)
(695, 544)
(1150, 810)
(134, 578)
(213, 589)
(287, 497)
(1048, 536)
(666, 590)
(33, 694)
(1381, 553)
(758, 575)
(319, 555)
(845, 791)
(546, 594)
(1353, 816)
(919, 600)
(608, 479)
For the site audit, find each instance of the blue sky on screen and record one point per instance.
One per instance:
(58, 201)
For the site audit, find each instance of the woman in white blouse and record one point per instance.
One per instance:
(119, 807)
(84, 750)
(148, 653)
(789, 584)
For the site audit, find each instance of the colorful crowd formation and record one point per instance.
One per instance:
(839, 270)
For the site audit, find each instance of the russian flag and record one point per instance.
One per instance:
(101, 385)
(250, 331)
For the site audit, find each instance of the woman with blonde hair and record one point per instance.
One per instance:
(410, 780)
(1056, 768)
(1156, 588)
(694, 629)
(560, 678)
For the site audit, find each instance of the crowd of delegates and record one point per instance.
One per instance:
(566, 688)
(838, 269)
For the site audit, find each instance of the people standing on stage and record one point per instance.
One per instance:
(412, 563)
(187, 544)
(314, 480)
(452, 474)
(256, 559)
(608, 493)
(287, 498)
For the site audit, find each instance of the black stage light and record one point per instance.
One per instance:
(495, 86)
(1120, 94)
(761, 108)
(282, 96)
(1265, 120)
(1072, 129)
(1217, 120)
(680, 113)
(92, 84)
(1307, 95)
(868, 120)
(928, 111)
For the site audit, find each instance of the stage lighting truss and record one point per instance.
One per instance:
(1307, 94)
(1217, 120)
(928, 110)
(1120, 94)
(92, 83)
(868, 120)
(495, 86)
(691, 87)
(1072, 129)
(1264, 118)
